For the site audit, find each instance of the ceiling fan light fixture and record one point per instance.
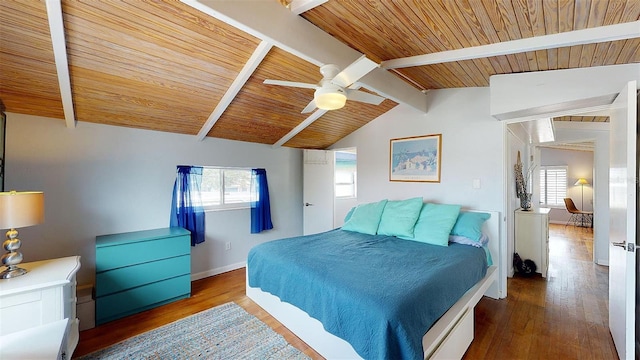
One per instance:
(329, 99)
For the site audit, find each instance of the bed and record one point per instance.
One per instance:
(353, 313)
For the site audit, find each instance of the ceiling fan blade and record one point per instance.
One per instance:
(310, 107)
(354, 72)
(364, 97)
(291, 84)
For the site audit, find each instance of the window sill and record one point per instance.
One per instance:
(230, 208)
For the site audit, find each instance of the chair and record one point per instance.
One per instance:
(578, 216)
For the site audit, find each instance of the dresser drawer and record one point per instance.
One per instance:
(120, 279)
(138, 299)
(117, 256)
(139, 270)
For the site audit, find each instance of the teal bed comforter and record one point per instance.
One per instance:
(379, 293)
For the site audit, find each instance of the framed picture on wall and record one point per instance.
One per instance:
(416, 158)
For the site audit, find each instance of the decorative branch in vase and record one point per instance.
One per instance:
(521, 184)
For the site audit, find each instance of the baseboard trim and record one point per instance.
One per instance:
(603, 262)
(557, 222)
(216, 271)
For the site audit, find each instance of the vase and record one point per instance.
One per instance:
(525, 201)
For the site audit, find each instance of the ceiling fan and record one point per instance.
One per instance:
(333, 90)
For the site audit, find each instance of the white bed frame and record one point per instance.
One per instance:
(448, 338)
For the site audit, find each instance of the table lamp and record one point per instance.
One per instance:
(582, 182)
(18, 209)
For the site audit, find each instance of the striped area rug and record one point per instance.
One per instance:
(223, 332)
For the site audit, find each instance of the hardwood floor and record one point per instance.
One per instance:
(563, 317)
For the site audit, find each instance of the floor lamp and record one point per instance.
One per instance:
(582, 182)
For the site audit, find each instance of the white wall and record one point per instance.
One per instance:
(522, 96)
(472, 148)
(100, 179)
(341, 208)
(579, 165)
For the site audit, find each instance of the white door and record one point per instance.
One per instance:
(622, 230)
(318, 190)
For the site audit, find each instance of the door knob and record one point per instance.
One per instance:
(307, 204)
(622, 244)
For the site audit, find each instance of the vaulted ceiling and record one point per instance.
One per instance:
(198, 67)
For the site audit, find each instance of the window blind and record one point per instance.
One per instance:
(553, 185)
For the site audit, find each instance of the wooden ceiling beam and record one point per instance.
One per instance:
(249, 67)
(268, 20)
(303, 125)
(593, 35)
(56, 26)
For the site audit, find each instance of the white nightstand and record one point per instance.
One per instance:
(45, 295)
(21, 344)
(532, 237)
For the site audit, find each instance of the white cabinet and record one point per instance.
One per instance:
(44, 295)
(21, 344)
(532, 237)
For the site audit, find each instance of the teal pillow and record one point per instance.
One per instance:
(399, 217)
(469, 224)
(365, 218)
(435, 223)
(348, 216)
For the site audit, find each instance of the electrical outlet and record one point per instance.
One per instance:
(227, 245)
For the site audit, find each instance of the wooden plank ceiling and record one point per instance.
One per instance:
(385, 30)
(28, 79)
(163, 65)
(582, 118)
(154, 60)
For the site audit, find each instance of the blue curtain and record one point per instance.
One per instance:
(260, 208)
(186, 206)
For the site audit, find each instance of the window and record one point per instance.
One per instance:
(346, 171)
(553, 185)
(225, 188)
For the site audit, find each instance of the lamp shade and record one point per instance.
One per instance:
(329, 98)
(582, 181)
(21, 209)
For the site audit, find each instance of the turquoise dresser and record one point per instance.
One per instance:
(140, 270)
